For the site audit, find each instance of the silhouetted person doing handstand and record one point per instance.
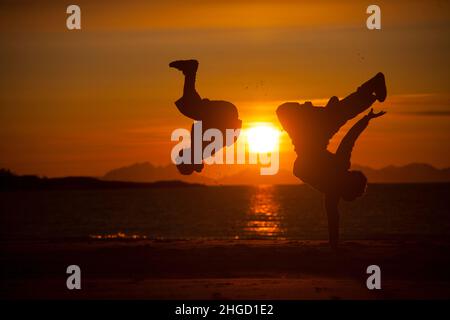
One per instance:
(216, 114)
(311, 128)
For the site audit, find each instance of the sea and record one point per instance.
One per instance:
(386, 211)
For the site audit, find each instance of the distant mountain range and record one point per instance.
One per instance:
(146, 172)
(146, 175)
(414, 172)
(10, 181)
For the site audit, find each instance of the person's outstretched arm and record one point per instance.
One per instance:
(331, 207)
(344, 151)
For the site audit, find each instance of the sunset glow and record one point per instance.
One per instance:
(262, 138)
(87, 102)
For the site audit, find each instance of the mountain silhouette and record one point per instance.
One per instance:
(146, 175)
(413, 172)
(146, 172)
(10, 182)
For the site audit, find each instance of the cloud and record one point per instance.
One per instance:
(436, 105)
(435, 113)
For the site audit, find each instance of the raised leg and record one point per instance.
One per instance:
(359, 101)
(190, 104)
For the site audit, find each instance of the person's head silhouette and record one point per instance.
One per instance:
(353, 185)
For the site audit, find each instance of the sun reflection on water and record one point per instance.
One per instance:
(118, 235)
(263, 219)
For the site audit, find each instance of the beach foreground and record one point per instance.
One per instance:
(225, 269)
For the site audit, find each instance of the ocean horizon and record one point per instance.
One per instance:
(386, 211)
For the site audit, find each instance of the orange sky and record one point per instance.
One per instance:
(83, 102)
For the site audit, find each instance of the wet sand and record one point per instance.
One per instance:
(222, 269)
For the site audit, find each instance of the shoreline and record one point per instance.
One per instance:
(226, 269)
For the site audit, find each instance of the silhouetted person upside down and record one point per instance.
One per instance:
(216, 114)
(311, 128)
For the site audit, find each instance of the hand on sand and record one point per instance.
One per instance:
(373, 115)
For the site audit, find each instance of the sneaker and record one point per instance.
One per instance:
(186, 66)
(375, 86)
(380, 87)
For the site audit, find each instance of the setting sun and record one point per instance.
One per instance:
(262, 138)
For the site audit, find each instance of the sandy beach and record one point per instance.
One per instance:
(225, 269)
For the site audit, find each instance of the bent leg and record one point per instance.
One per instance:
(190, 104)
(359, 101)
(355, 103)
